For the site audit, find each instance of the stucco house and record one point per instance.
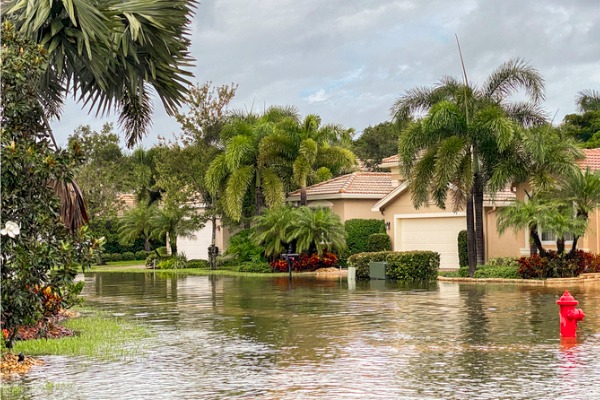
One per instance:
(387, 196)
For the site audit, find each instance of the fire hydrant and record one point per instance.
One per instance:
(569, 315)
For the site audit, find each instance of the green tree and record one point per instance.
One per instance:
(39, 252)
(316, 230)
(376, 143)
(456, 145)
(272, 229)
(242, 174)
(585, 126)
(170, 220)
(136, 222)
(112, 54)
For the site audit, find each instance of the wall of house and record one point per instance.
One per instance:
(359, 208)
(509, 244)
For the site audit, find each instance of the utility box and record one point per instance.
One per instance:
(377, 269)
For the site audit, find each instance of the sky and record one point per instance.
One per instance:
(349, 60)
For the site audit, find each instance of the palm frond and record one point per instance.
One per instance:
(511, 76)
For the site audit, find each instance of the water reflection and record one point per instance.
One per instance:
(223, 337)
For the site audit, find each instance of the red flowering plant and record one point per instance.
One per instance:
(306, 263)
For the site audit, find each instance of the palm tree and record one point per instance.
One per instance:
(243, 169)
(272, 229)
(136, 223)
(111, 54)
(588, 100)
(316, 230)
(170, 221)
(582, 189)
(456, 143)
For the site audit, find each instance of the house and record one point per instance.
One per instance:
(387, 196)
(348, 196)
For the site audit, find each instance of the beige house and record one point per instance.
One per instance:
(387, 196)
(349, 196)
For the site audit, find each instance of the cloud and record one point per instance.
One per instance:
(349, 60)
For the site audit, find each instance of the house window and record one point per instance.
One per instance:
(551, 237)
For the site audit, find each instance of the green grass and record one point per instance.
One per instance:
(449, 274)
(122, 263)
(98, 335)
(222, 271)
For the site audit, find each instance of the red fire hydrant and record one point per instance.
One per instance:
(569, 315)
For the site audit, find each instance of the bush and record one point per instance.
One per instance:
(361, 262)
(203, 264)
(558, 266)
(405, 266)
(175, 262)
(504, 272)
(463, 254)
(306, 263)
(379, 242)
(358, 231)
(413, 265)
(151, 258)
(261, 267)
(463, 272)
(162, 251)
(141, 255)
(243, 248)
(128, 256)
(115, 257)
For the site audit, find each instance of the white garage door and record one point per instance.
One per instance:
(437, 234)
(197, 248)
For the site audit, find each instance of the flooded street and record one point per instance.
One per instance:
(226, 337)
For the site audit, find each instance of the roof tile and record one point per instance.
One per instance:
(359, 182)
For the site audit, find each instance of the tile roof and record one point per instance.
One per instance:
(592, 159)
(129, 199)
(356, 183)
(391, 159)
(505, 194)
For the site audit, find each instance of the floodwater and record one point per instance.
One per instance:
(264, 338)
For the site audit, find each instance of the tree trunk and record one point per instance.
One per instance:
(560, 246)
(478, 204)
(147, 244)
(533, 233)
(574, 246)
(168, 244)
(303, 200)
(471, 247)
(213, 241)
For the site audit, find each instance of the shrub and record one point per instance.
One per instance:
(162, 251)
(413, 265)
(261, 267)
(306, 262)
(141, 255)
(557, 266)
(243, 248)
(175, 262)
(150, 260)
(128, 256)
(358, 231)
(463, 272)
(116, 257)
(379, 242)
(463, 254)
(203, 264)
(361, 262)
(408, 265)
(504, 272)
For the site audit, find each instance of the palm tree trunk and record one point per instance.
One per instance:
(478, 203)
(574, 246)
(147, 243)
(560, 246)
(471, 248)
(535, 236)
(168, 244)
(303, 199)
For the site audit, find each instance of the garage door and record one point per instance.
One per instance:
(196, 248)
(437, 234)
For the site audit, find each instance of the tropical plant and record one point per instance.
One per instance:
(171, 220)
(112, 54)
(376, 143)
(453, 149)
(137, 222)
(316, 230)
(40, 255)
(272, 229)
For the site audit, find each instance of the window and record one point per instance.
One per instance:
(551, 237)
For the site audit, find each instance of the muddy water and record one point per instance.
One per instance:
(224, 337)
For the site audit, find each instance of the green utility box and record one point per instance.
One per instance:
(377, 269)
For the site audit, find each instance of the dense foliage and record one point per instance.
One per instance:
(403, 266)
(554, 265)
(379, 242)
(358, 231)
(40, 255)
(462, 249)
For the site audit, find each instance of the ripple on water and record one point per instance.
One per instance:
(258, 338)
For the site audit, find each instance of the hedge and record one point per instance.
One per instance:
(198, 264)
(358, 231)
(405, 266)
(128, 256)
(379, 242)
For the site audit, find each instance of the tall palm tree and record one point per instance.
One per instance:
(272, 229)
(110, 54)
(243, 170)
(456, 143)
(588, 100)
(317, 230)
(169, 221)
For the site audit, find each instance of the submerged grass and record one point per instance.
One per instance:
(97, 335)
(230, 271)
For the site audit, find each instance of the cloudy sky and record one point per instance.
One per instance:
(348, 60)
